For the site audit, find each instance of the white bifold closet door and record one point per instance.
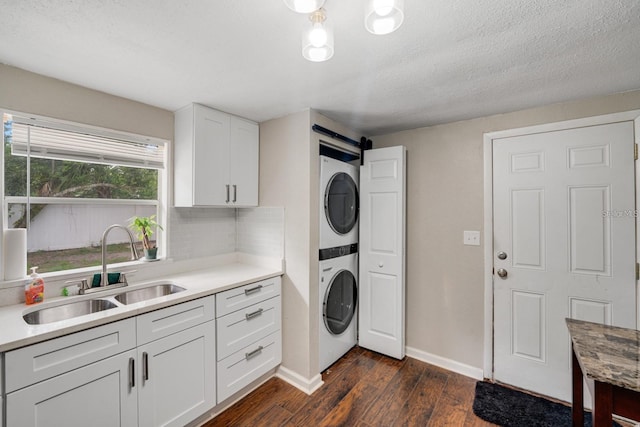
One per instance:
(382, 251)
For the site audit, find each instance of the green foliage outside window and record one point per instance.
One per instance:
(60, 178)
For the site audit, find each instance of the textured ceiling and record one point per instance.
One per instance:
(450, 60)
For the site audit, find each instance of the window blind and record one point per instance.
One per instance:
(51, 140)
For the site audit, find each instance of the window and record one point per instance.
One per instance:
(67, 183)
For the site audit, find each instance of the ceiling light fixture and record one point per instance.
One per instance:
(317, 41)
(304, 6)
(383, 16)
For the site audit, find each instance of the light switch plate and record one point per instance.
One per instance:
(472, 238)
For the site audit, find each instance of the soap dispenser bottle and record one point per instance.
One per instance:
(34, 289)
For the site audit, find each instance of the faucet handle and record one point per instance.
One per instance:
(123, 276)
(83, 284)
(123, 279)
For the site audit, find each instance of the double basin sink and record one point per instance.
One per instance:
(81, 308)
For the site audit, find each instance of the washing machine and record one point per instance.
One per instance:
(338, 203)
(338, 303)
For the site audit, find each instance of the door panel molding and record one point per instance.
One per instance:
(489, 138)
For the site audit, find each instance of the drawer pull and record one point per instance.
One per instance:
(252, 290)
(132, 372)
(253, 353)
(256, 313)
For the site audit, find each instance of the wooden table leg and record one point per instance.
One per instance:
(602, 404)
(577, 405)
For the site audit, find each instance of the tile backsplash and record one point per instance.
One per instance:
(260, 231)
(202, 232)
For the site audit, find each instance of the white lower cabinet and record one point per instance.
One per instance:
(167, 380)
(177, 377)
(100, 394)
(162, 368)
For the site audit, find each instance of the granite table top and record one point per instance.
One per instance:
(607, 354)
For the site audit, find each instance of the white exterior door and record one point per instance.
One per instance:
(564, 235)
(382, 251)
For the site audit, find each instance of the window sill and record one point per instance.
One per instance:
(78, 273)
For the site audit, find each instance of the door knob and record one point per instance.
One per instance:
(502, 272)
(502, 255)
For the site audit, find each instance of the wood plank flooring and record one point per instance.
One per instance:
(362, 389)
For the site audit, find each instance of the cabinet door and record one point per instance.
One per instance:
(210, 157)
(97, 395)
(244, 161)
(177, 377)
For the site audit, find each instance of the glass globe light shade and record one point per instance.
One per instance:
(318, 35)
(384, 16)
(304, 6)
(317, 43)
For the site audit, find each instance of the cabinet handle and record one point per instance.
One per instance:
(227, 194)
(253, 353)
(252, 290)
(145, 365)
(132, 372)
(235, 192)
(256, 313)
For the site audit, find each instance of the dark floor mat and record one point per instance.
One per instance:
(511, 408)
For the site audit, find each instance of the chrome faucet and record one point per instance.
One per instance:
(104, 281)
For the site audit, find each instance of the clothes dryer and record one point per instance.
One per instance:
(339, 203)
(338, 303)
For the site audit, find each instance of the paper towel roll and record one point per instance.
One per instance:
(15, 253)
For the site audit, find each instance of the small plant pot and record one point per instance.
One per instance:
(151, 253)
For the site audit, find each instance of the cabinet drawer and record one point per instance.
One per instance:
(241, 328)
(37, 362)
(248, 364)
(167, 321)
(244, 296)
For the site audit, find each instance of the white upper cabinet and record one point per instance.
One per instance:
(215, 159)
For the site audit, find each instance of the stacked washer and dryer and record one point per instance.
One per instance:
(339, 201)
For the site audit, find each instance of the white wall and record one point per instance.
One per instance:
(28, 92)
(444, 198)
(285, 162)
(289, 177)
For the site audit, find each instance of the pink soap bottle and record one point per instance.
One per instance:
(34, 289)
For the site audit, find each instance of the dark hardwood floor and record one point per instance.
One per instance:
(362, 389)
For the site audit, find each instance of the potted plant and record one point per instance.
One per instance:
(144, 227)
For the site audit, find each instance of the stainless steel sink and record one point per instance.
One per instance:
(67, 311)
(148, 293)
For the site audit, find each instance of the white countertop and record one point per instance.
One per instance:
(224, 273)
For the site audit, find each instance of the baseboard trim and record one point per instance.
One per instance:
(298, 381)
(451, 365)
